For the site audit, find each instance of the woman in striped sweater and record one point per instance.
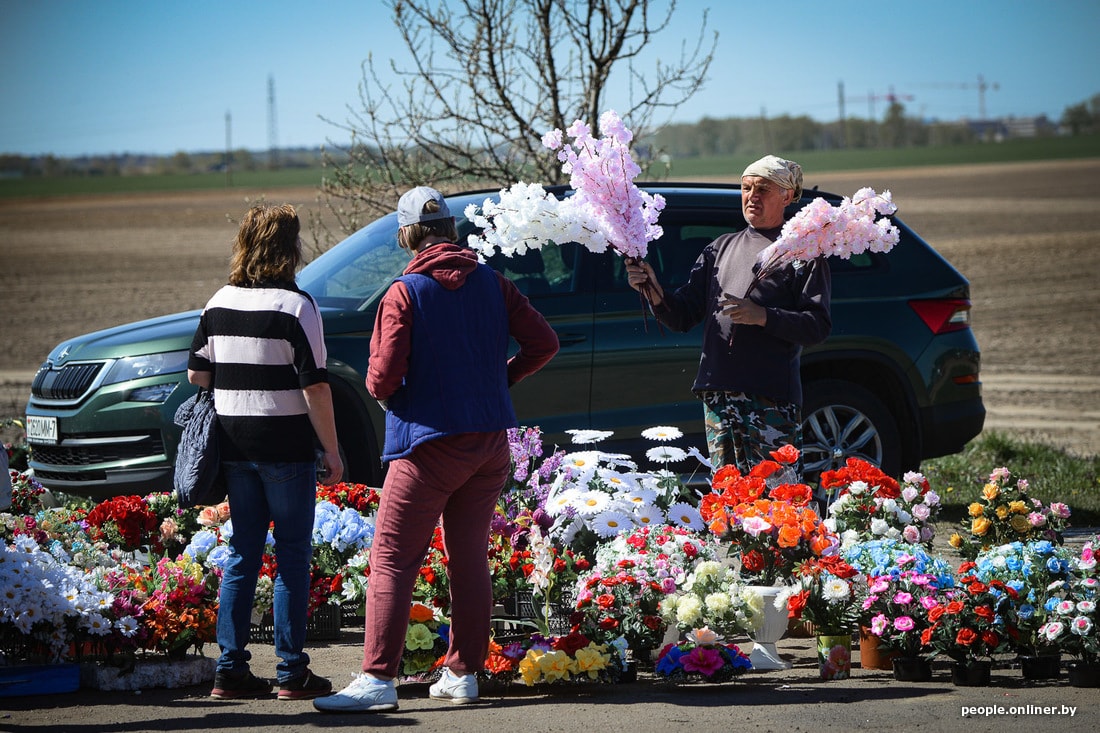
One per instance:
(260, 346)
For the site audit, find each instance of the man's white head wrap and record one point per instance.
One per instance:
(785, 173)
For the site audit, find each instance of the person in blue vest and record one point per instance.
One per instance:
(439, 366)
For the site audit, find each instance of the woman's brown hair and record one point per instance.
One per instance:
(267, 248)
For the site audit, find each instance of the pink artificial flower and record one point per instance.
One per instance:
(911, 534)
(879, 585)
(702, 660)
(1036, 519)
(1059, 510)
(904, 623)
(878, 624)
(755, 526)
(902, 597)
(999, 474)
(928, 603)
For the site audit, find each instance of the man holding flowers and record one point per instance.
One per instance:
(756, 322)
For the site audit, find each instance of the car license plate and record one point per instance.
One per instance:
(41, 429)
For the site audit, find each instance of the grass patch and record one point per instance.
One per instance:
(1052, 475)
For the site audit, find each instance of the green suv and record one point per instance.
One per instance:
(897, 382)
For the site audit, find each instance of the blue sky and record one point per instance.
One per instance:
(113, 76)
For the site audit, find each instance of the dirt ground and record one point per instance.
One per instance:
(1027, 235)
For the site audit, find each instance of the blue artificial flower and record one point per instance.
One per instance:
(670, 662)
(1026, 611)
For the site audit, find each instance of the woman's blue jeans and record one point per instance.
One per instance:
(261, 493)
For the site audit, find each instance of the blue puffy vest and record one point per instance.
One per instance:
(458, 369)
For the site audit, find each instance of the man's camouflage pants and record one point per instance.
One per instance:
(744, 429)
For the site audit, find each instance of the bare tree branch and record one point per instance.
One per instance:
(484, 80)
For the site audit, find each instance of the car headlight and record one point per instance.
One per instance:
(156, 393)
(147, 365)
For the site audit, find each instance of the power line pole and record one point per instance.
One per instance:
(843, 117)
(272, 126)
(228, 150)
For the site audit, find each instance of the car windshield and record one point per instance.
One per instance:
(355, 273)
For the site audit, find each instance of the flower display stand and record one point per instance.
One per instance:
(834, 656)
(1083, 674)
(1041, 666)
(322, 625)
(975, 673)
(38, 679)
(768, 631)
(149, 673)
(912, 669)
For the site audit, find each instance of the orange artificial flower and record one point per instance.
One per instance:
(419, 613)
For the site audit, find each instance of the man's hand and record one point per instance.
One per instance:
(743, 310)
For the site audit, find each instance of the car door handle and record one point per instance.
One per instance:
(568, 339)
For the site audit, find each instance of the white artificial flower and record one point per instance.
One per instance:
(610, 524)
(662, 432)
(909, 494)
(835, 589)
(621, 482)
(718, 603)
(685, 515)
(666, 454)
(879, 527)
(589, 436)
(557, 504)
(689, 610)
(648, 515)
(640, 496)
(857, 487)
(590, 503)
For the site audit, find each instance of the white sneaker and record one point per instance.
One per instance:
(458, 689)
(363, 695)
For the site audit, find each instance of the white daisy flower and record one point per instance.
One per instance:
(611, 524)
(127, 626)
(618, 460)
(589, 436)
(685, 515)
(621, 482)
(590, 503)
(649, 515)
(639, 496)
(557, 504)
(662, 432)
(587, 460)
(666, 454)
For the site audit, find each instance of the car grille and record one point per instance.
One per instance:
(69, 382)
(90, 455)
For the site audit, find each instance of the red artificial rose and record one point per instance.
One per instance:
(690, 550)
(977, 587)
(926, 636)
(571, 643)
(991, 639)
(752, 561)
(966, 637)
(608, 624)
(559, 565)
(955, 607)
(984, 612)
(605, 601)
(796, 603)
(935, 613)
(653, 623)
(582, 564)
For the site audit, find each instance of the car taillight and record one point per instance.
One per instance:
(943, 315)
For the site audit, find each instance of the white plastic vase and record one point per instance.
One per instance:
(768, 630)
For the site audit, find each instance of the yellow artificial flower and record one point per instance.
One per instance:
(980, 525)
(1020, 524)
(554, 665)
(956, 540)
(591, 660)
(1002, 511)
(991, 491)
(976, 509)
(1017, 507)
(529, 667)
(419, 636)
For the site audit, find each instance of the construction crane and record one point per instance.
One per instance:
(982, 86)
(871, 98)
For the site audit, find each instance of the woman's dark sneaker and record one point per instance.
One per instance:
(305, 687)
(233, 686)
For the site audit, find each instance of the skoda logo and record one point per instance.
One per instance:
(64, 353)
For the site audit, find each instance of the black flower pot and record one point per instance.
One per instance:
(1083, 674)
(974, 673)
(912, 669)
(1041, 666)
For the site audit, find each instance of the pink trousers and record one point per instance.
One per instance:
(457, 478)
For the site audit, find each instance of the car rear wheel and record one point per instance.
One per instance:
(843, 420)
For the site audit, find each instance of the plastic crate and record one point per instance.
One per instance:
(322, 625)
(39, 679)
